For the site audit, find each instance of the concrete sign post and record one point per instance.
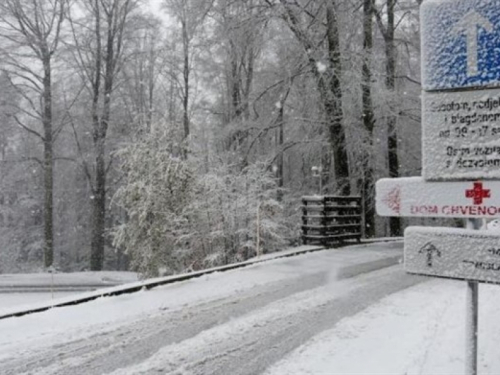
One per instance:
(471, 315)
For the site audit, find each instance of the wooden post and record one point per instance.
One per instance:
(304, 221)
(324, 223)
(257, 245)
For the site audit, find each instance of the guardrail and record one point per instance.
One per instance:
(147, 284)
(152, 283)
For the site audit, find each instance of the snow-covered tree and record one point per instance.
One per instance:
(237, 216)
(154, 197)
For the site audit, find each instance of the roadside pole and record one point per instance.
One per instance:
(471, 310)
(471, 315)
(257, 241)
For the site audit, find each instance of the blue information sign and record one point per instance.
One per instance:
(460, 44)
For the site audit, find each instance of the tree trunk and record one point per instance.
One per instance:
(368, 120)
(100, 132)
(48, 165)
(249, 68)
(333, 106)
(98, 211)
(280, 141)
(330, 91)
(235, 84)
(35, 26)
(99, 208)
(392, 137)
(151, 85)
(185, 99)
(116, 18)
(97, 224)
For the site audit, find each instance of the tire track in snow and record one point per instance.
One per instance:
(122, 347)
(126, 345)
(264, 336)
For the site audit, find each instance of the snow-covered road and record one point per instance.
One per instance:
(238, 322)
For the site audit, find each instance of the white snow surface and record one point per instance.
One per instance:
(9, 301)
(418, 331)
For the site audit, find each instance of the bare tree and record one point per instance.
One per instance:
(368, 119)
(388, 32)
(142, 73)
(31, 30)
(99, 37)
(327, 74)
(240, 30)
(190, 14)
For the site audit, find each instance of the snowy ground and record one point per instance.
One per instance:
(300, 315)
(417, 331)
(10, 300)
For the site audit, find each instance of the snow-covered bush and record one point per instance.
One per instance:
(154, 197)
(179, 220)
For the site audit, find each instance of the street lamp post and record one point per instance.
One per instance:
(318, 172)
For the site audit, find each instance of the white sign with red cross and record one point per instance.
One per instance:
(413, 196)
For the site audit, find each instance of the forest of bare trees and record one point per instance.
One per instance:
(171, 135)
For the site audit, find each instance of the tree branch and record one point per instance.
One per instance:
(28, 129)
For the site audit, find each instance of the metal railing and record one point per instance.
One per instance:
(329, 220)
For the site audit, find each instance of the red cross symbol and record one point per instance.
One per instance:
(478, 193)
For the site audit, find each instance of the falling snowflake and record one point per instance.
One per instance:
(321, 67)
